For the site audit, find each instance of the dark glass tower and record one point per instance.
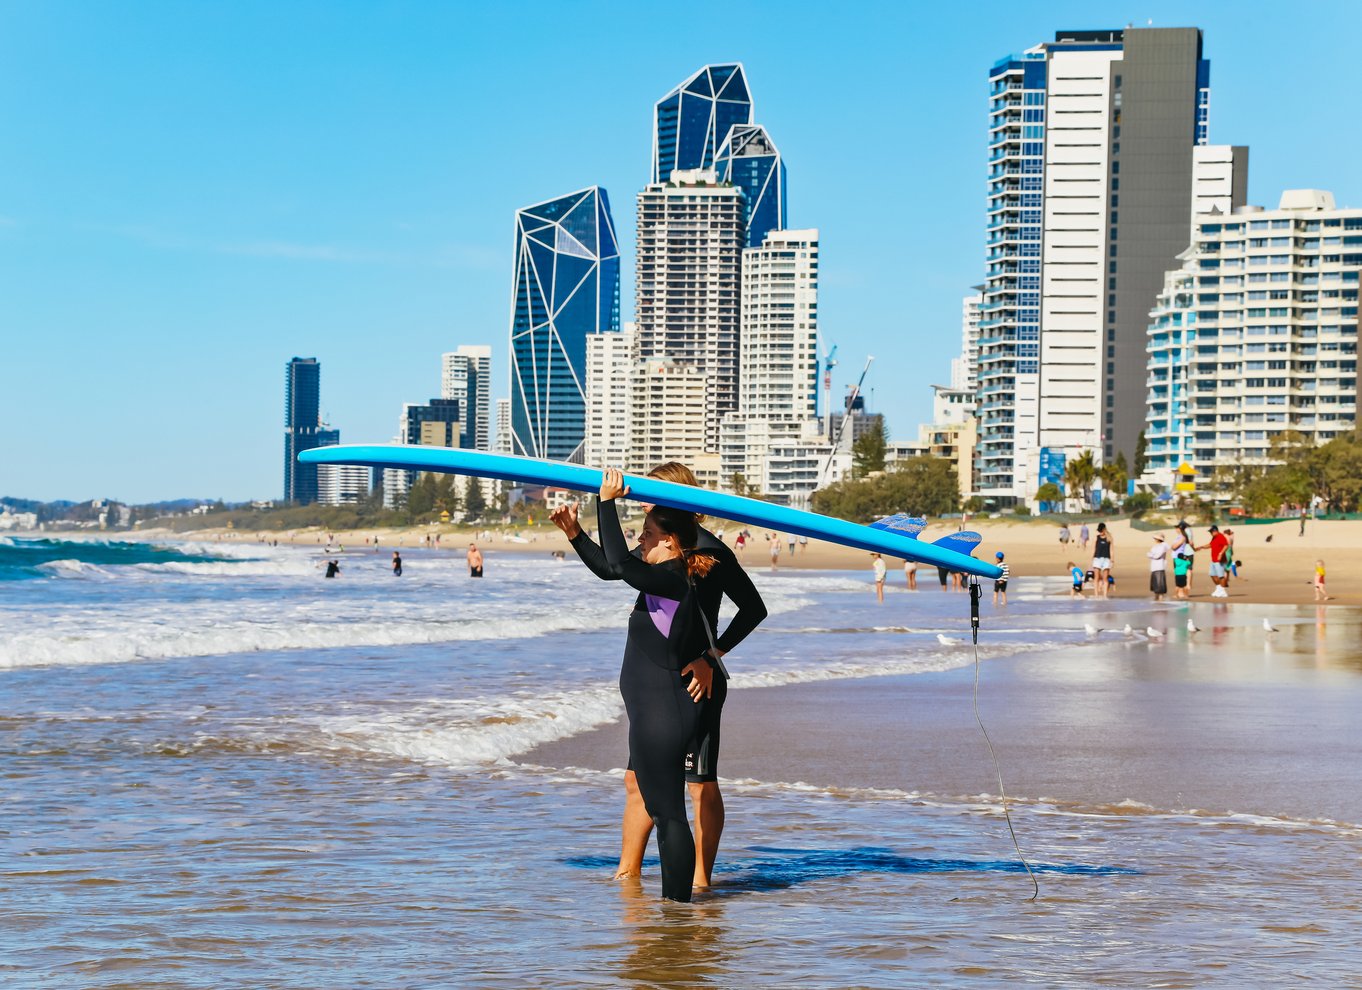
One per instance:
(567, 285)
(691, 121)
(302, 421)
(749, 159)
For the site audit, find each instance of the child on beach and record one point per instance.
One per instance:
(1000, 585)
(877, 562)
(1182, 564)
(1076, 575)
(1320, 594)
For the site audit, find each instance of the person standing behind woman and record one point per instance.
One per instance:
(727, 579)
(659, 681)
(910, 572)
(1184, 547)
(1101, 561)
(1158, 568)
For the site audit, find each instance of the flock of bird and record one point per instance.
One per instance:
(1151, 633)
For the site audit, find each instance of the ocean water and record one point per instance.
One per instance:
(221, 769)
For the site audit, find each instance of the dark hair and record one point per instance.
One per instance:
(682, 525)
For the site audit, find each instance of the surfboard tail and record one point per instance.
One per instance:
(959, 542)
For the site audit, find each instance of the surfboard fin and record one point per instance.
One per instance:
(901, 522)
(959, 542)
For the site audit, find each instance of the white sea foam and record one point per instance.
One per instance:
(150, 640)
(476, 731)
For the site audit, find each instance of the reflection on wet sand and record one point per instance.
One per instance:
(672, 944)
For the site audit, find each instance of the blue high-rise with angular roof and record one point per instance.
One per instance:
(749, 159)
(691, 121)
(567, 285)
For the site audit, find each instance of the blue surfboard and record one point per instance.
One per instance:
(895, 536)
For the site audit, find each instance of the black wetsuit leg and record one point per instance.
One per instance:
(662, 721)
(702, 759)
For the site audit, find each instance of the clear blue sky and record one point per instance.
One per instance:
(191, 193)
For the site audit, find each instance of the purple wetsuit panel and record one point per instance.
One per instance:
(661, 611)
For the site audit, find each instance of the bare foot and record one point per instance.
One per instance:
(627, 874)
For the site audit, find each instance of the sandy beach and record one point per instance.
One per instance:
(1276, 563)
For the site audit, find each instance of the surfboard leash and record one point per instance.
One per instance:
(976, 592)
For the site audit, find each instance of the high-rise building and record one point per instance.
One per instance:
(503, 441)
(691, 121)
(1254, 336)
(670, 403)
(1083, 130)
(748, 158)
(965, 368)
(302, 420)
(342, 484)
(437, 423)
(778, 346)
(466, 376)
(687, 285)
(567, 278)
(610, 369)
(778, 353)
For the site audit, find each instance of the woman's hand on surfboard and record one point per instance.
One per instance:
(612, 484)
(565, 518)
(701, 684)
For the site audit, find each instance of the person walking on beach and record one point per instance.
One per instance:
(727, 579)
(1063, 536)
(877, 564)
(1101, 561)
(1000, 585)
(1303, 515)
(1219, 574)
(1083, 537)
(910, 572)
(774, 543)
(1231, 561)
(474, 561)
(1077, 577)
(1321, 595)
(1158, 567)
(397, 564)
(740, 544)
(803, 543)
(791, 539)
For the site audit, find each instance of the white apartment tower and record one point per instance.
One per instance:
(965, 368)
(778, 350)
(1256, 334)
(503, 441)
(1085, 130)
(670, 405)
(610, 367)
(691, 232)
(465, 375)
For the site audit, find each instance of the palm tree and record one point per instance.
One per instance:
(1079, 474)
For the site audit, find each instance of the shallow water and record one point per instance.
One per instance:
(233, 772)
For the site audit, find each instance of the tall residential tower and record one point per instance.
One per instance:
(691, 121)
(1084, 130)
(567, 285)
(302, 423)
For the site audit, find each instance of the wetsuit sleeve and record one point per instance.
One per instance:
(594, 557)
(664, 582)
(742, 593)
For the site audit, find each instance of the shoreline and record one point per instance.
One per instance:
(1277, 564)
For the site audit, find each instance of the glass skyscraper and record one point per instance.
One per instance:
(302, 426)
(749, 159)
(567, 285)
(691, 121)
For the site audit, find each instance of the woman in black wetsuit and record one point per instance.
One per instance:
(665, 634)
(726, 579)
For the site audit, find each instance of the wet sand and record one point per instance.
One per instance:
(1224, 722)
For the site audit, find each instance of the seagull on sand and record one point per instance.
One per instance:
(1268, 626)
(1192, 627)
(945, 640)
(1090, 629)
(1128, 631)
(1153, 633)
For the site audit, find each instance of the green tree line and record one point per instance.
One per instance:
(922, 486)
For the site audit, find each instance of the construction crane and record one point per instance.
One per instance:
(829, 362)
(846, 418)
